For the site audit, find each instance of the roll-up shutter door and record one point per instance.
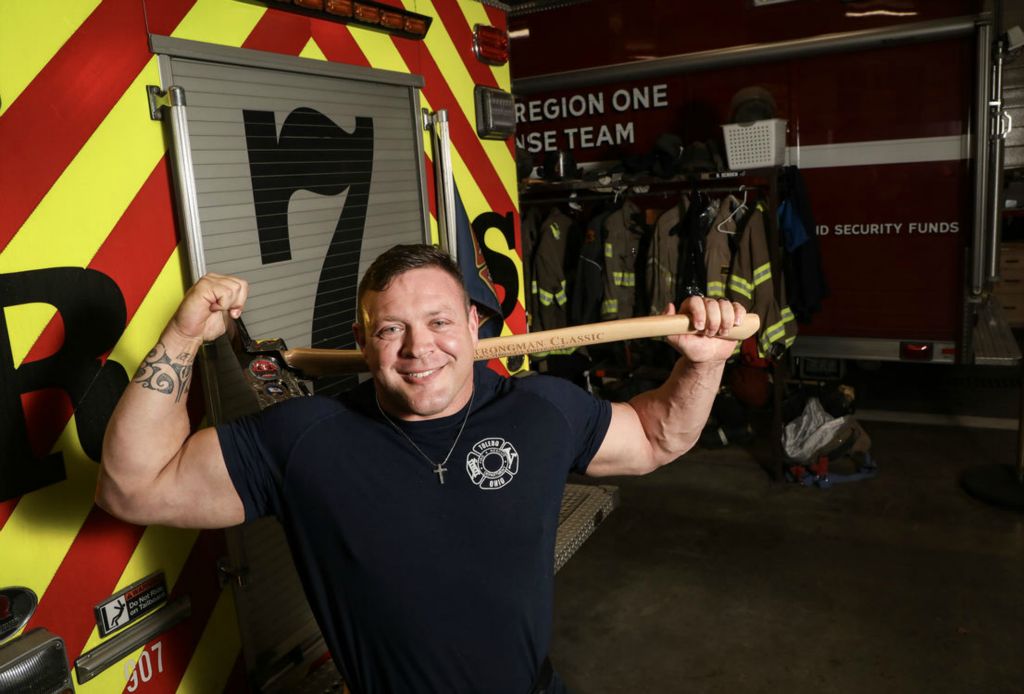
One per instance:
(301, 180)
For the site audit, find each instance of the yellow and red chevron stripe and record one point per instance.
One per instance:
(85, 183)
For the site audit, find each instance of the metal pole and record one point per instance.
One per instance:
(444, 182)
(999, 131)
(172, 101)
(981, 131)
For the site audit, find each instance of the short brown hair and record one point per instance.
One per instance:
(400, 259)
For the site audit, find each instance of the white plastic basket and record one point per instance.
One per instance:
(755, 145)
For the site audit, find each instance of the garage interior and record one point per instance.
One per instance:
(711, 576)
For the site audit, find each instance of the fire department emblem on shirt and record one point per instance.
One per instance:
(492, 463)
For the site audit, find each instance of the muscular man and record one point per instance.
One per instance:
(421, 507)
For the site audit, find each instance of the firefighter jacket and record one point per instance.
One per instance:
(623, 230)
(752, 285)
(548, 282)
(531, 219)
(587, 291)
(691, 273)
(717, 253)
(663, 257)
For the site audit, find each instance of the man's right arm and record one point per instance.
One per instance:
(152, 470)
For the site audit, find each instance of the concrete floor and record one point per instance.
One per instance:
(710, 578)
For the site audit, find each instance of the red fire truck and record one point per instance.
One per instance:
(138, 139)
(894, 120)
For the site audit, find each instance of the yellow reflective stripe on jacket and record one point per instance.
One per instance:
(561, 296)
(533, 287)
(788, 317)
(624, 279)
(716, 290)
(609, 306)
(546, 298)
(555, 231)
(608, 250)
(741, 286)
(762, 274)
(777, 330)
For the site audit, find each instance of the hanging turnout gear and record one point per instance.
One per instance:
(531, 219)
(752, 285)
(588, 289)
(622, 239)
(663, 257)
(691, 274)
(549, 282)
(718, 253)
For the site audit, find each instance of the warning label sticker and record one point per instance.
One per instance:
(130, 604)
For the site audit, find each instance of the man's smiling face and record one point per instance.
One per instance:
(418, 336)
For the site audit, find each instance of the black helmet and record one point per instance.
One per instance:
(750, 104)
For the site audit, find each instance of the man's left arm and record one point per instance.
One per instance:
(658, 426)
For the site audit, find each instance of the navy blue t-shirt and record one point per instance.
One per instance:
(418, 586)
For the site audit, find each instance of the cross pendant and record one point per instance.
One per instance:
(439, 470)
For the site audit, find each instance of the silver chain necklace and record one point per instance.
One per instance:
(439, 468)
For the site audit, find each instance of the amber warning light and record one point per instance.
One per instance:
(362, 13)
(490, 44)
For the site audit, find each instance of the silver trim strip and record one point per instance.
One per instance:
(421, 167)
(872, 152)
(92, 663)
(199, 50)
(869, 348)
(933, 30)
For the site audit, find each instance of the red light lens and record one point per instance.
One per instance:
(370, 15)
(417, 27)
(490, 44)
(311, 4)
(392, 20)
(342, 8)
(916, 351)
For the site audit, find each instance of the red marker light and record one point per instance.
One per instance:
(916, 351)
(490, 44)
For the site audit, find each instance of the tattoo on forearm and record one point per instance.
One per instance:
(164, 374)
